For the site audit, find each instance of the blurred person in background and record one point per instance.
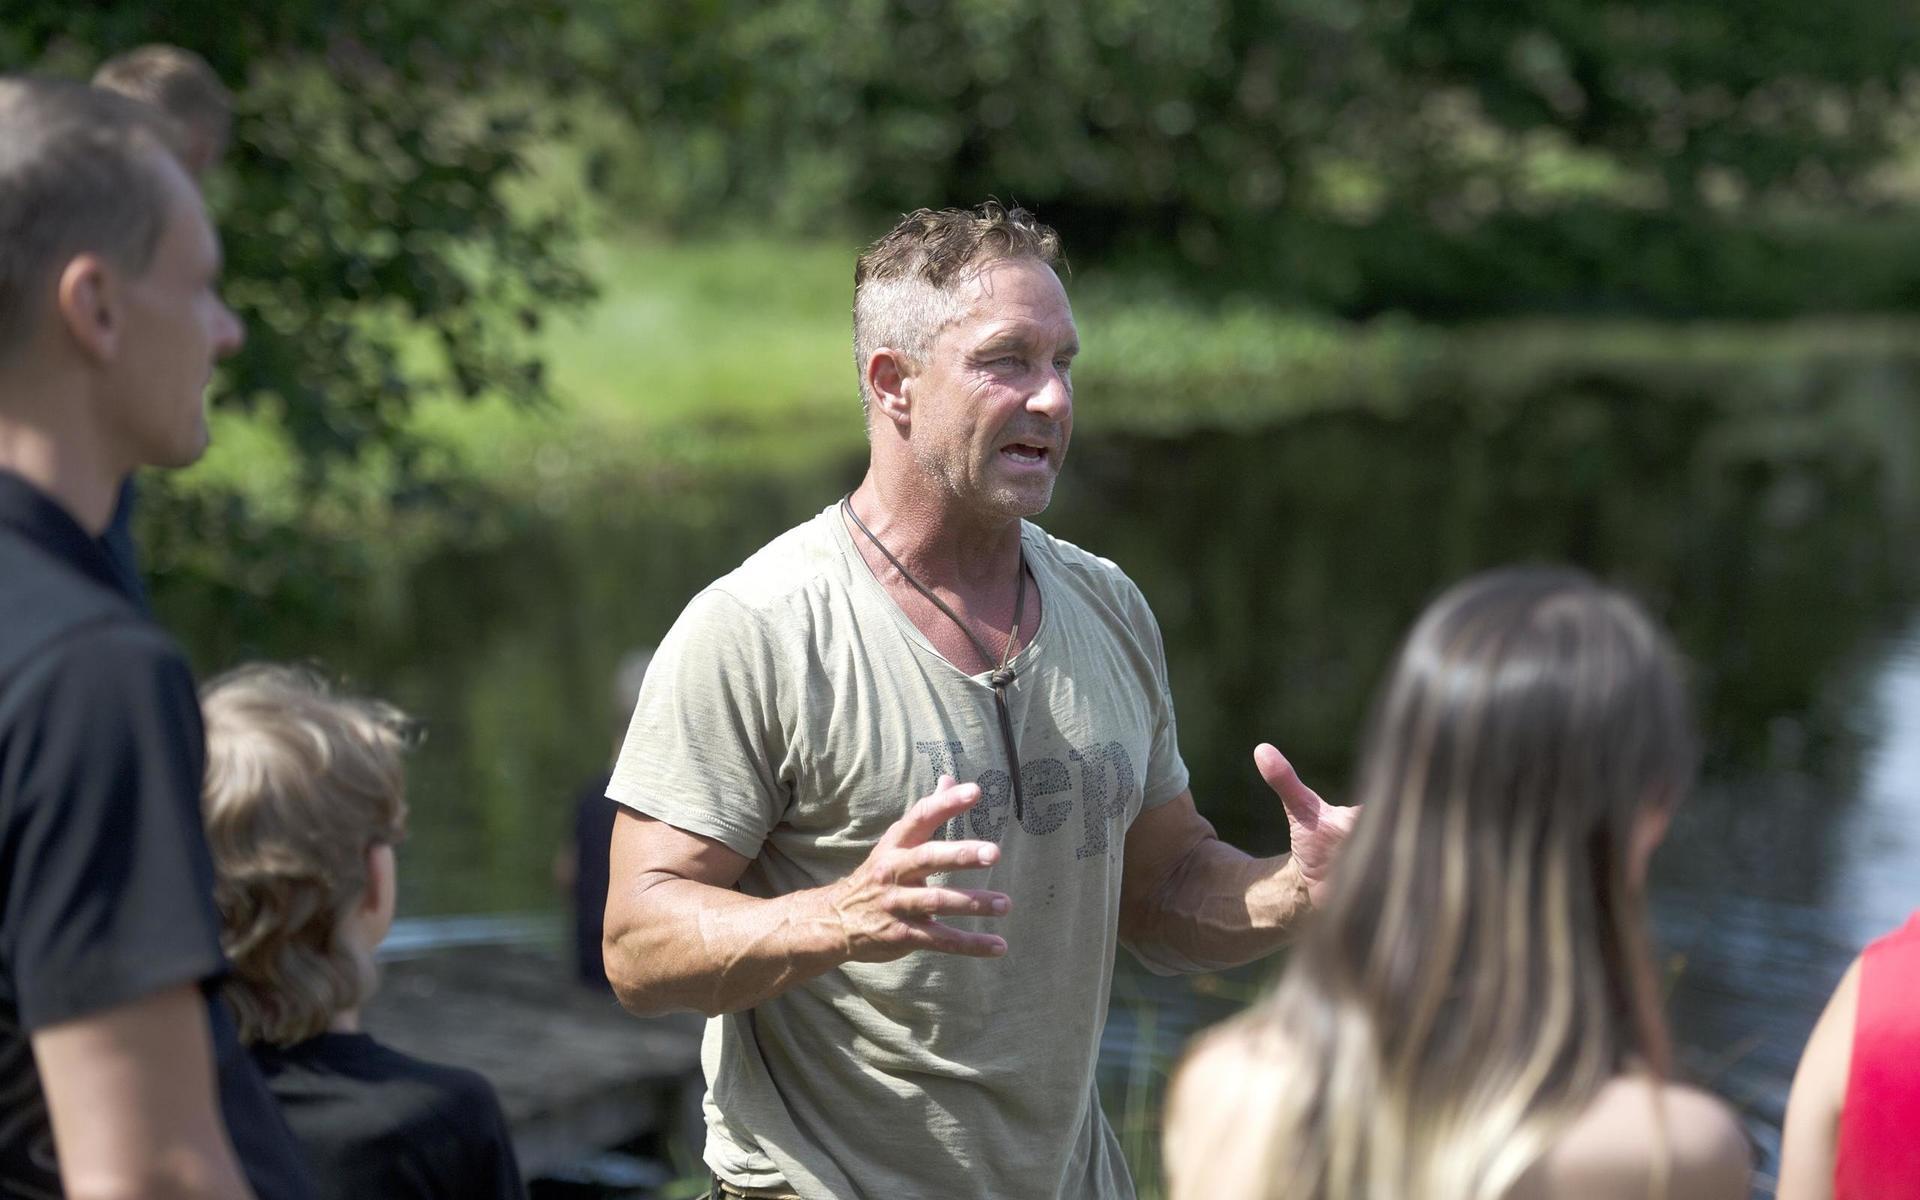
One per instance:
(305, 802)
(878, 1028)
(1475, 1014)
(580, 868)
(118, 1075)
(180, 84)
(1855, 1107)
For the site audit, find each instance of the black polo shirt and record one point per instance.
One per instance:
(106, 886)
(121, 551)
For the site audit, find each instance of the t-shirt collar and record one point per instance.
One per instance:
(863, 580)
(40, 519)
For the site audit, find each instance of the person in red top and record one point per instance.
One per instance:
(1853, 1119)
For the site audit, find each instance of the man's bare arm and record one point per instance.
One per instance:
(1191, 902)
(131, 1096)
(678, 937)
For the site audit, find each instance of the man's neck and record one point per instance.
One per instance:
(944, 547)
(70, 468)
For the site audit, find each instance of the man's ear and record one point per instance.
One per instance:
(887, 376)
(87, 304)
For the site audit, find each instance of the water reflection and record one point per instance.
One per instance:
(1284, 565)
(1876, 873)
(1819, 865)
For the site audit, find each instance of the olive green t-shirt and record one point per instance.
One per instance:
(793, 713)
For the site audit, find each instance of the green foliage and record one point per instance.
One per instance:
(376, 247)
(1447, 157)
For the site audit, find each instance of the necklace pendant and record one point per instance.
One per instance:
(1002, 677)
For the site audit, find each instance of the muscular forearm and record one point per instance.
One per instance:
(1217, 907)
(690, 945)
(679, 937)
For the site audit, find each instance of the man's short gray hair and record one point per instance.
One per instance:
(78, 175)
(904, 285)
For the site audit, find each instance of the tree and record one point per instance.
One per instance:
(1450, 157)
(376, 249)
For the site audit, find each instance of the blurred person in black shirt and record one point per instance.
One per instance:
(305, 802)
(581, 866)
(118, 1076)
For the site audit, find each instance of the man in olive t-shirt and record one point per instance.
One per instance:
(908, 997)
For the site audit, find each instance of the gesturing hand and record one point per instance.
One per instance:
(1316, 828)
(886, 907)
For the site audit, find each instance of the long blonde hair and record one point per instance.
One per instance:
(300, 784)
(1482, 969)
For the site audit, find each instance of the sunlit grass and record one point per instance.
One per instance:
(697, 355)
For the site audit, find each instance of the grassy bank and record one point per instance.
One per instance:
(713, 357)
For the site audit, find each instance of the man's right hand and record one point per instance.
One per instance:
(887, 909)
(680, 936)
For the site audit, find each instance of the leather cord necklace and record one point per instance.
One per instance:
(1004, 674)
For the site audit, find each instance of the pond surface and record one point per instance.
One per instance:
(1284, 564)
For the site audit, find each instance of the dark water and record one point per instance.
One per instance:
(1283, 564)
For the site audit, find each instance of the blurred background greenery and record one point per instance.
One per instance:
(548, 325)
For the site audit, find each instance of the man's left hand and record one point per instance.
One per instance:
(1316, 828)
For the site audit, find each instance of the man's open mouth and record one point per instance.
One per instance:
(1020, 452)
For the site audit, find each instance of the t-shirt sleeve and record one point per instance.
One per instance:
(706, 747)
(1166, 775)
(108, 884)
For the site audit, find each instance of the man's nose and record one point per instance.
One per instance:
(1054, 399)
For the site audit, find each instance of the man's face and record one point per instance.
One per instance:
(992, 408)
(177, 327)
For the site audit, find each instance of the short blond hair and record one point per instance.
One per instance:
(175, 80)
(300, 784)
(180, 84)
(905, 284)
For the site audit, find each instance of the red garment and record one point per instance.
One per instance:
(1879, 1151)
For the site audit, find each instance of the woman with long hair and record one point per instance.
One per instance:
(1474, 1014)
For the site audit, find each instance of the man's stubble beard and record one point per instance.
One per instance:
(997, 501)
